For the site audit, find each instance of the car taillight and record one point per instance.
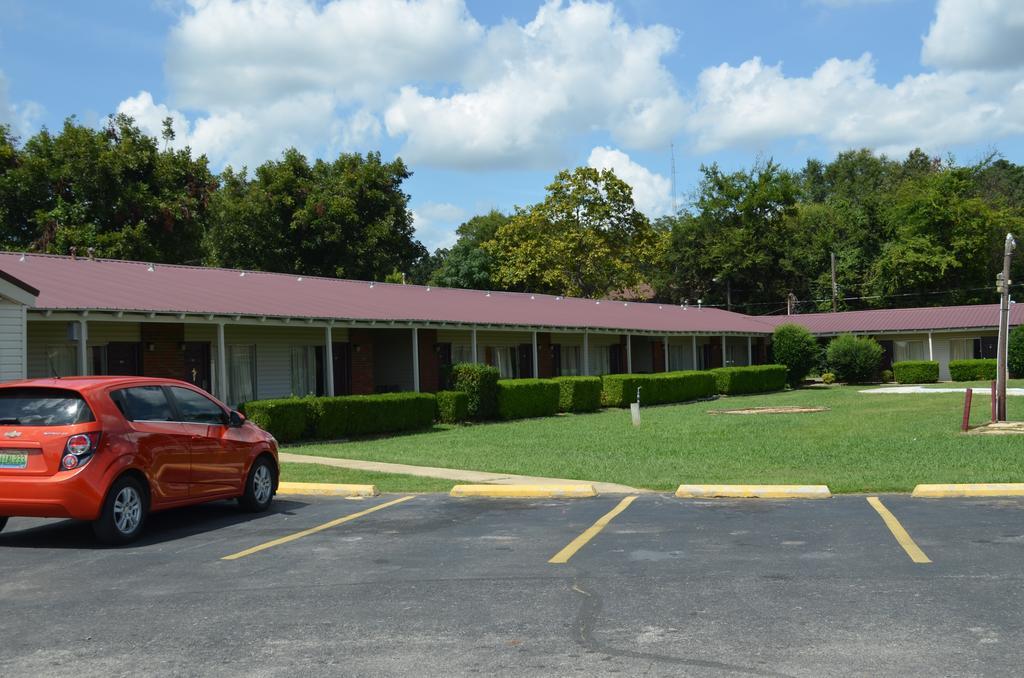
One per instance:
(79, 450)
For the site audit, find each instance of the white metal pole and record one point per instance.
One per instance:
(931, 350)
(629, 354)
(750, 351)
(222, 366)
(664, 351)
(694, 351)
(473, 341)
(415, 360)
(83, 347)
(723, 352)
(329, 360)
(536, 368)
(586, 354)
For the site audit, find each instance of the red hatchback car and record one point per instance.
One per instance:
(112, 449)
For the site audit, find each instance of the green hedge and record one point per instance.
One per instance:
(980, 369)
(480, 383)
(524, 398)
(347, 416)
(916, 372)
(288, 419)
(619, 390)
(579, 394)
(752, 379)
(452, 407)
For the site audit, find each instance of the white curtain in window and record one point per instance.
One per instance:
(571, 362)
(961, 349)
(505, 361)
(61, 361)
(241, 374)
(303, 370)
(600, 360)
(680, 357)
(910, 350)
(462, 353)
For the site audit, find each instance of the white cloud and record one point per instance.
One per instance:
(573, 69)
(842, 104)
(652, 192)
(22, 117)
(435, 223)
(981, 34)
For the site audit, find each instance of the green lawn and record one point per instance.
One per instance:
(385, 482)
(865, 443)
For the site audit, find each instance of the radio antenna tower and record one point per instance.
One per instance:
(672, 152)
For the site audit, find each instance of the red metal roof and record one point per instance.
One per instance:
(77, 284)
(901, 319)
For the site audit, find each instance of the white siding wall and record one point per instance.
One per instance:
(45, 333)
(12, 340)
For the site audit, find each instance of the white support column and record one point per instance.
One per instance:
(629, 354)
(222, 366)
(724, 362)
(329, 360)
(695, 366)
(750, 351)
(586, 354)
(83, 347)
(931, 351)
(473, 343)
(536, 367)
(415, 360)
(664, 350)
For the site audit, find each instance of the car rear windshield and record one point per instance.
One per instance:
(42, 407)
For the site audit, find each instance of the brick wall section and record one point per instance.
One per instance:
(166, 360)
(362, 361)
(545, 361)
(430, 368)
(657, 355)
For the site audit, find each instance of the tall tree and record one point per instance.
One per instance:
(585, 239)
(468, 264)
(347, 218)
(110, 189)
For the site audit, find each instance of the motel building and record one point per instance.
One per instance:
(246, 335)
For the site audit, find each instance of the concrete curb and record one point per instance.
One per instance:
(538, 491)
(753, 492)
(328, 489)
(969, 490)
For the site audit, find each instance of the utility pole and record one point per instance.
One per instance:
(790, 302)
(1003, 287)
(728, 295)
(835, 289)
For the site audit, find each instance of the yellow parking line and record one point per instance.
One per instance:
(576, 544)
(314, 530)
(912, 549)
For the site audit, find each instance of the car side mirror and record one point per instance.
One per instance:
(236, 419)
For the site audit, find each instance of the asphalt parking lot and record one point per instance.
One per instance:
(433, 585)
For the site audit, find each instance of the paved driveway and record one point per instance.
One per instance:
(439, 586)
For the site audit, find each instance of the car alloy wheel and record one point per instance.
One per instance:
(262, 484)
(127, 510)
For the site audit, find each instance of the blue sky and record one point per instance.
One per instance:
(486, 101)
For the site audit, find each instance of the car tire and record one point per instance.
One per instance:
(259, 486)
(124, 512)
(3, 523)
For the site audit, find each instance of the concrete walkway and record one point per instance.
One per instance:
(925, 389)
(457, 475)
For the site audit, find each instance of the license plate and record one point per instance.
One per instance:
(8, 460)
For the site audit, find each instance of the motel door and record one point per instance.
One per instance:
(341, 353)
(197, 364)
(525, 361)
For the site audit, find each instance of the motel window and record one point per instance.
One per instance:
(304, 370)
(600, 360)
(241, 373)
(61, 361)
(910, 350)
(505, 358)
(571, 360)
(680, 357)
(961, 349)
(462, 353)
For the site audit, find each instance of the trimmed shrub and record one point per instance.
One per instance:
(854, 360)
(525, 398)
(1015, 352)
(619, 390)
(452, 406)
(579, 394)
(287, 419)
(347, 416)
(795, 347)
(480, 383)
(828, 378)
(980, 369)
(887, 376)
(752, 379)
(916, 371)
